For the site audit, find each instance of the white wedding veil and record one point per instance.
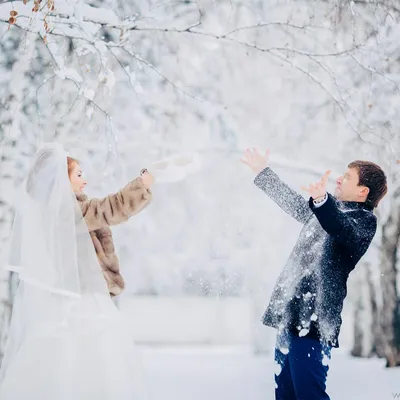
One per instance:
(52, 252)
(50, 244)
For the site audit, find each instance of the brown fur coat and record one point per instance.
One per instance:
(114, 209)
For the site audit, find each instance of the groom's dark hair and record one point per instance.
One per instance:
(372, 176)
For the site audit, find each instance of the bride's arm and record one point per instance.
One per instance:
(116, 208)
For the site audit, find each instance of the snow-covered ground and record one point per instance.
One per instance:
(235, 374)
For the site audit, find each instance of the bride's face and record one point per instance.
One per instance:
(78, 183)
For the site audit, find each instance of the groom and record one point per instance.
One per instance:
(307, 300)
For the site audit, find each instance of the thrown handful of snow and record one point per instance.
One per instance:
(176, 168)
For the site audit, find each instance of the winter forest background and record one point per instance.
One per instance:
(123, 84)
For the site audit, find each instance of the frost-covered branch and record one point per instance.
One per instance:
(85, 24)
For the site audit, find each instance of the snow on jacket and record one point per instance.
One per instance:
(308, 296)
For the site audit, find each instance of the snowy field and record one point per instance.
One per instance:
(234, 374)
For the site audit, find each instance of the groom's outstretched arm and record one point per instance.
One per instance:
(351, 227)
(289, 200)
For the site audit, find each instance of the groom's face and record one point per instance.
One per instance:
(348, 188)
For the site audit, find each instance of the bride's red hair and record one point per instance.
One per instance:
(71, 164)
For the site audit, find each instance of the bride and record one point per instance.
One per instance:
(67, 339)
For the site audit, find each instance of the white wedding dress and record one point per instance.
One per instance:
(89, 356)
(67, 339)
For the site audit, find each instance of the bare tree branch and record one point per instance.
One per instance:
(272, 23)
(143, 61)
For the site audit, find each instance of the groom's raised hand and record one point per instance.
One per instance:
(255, 160)
(318, 189)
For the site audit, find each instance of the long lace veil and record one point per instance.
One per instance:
(52, 252)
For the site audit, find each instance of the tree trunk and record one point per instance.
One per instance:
(362, 327)
(378, 343)
(390, 303)
(367, 329)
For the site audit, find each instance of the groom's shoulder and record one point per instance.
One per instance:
(367, 219)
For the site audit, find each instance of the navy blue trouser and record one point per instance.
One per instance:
(302, 368)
